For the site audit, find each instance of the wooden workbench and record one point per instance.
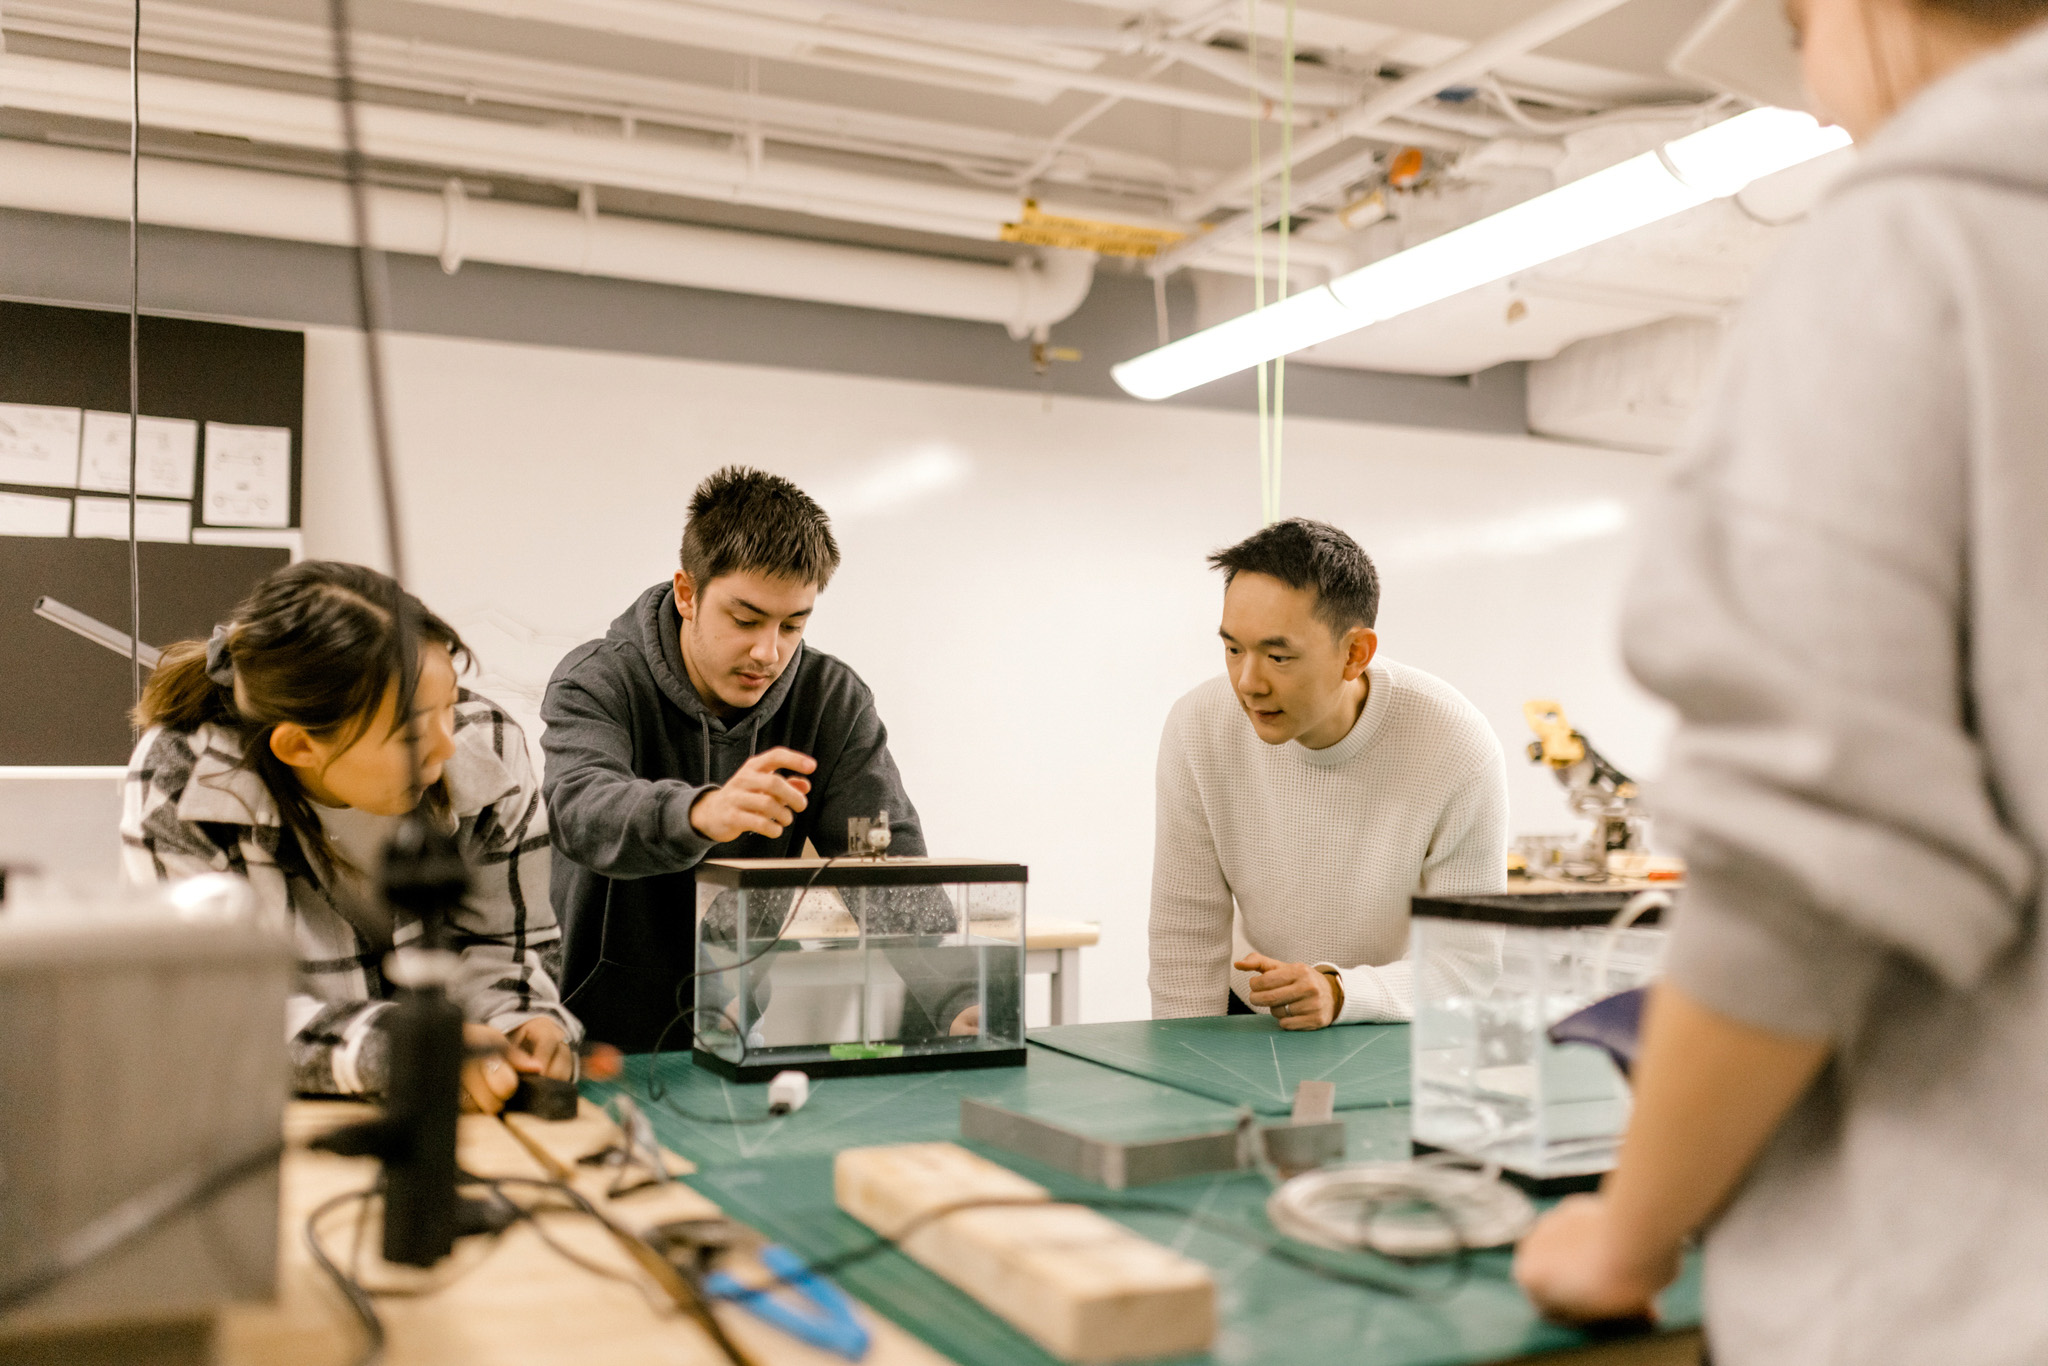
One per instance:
(503, 1301)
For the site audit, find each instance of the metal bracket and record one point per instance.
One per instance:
(1120, 1166)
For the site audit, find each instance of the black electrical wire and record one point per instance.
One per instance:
(133, 1218)
(530, 1214)
(134, 346)
(582, 1205)
(1357, 1276)
(685, 1012)
(661, 1097)
(370, 316)
(351, 1289)
(1283, 1250)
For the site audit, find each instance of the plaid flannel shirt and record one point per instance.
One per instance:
(190, 807)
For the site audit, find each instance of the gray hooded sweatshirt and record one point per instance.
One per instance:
(1846, 598)
(630, 748)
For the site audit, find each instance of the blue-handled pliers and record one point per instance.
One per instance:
(828, 1321)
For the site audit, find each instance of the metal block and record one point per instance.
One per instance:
(1120, 1166)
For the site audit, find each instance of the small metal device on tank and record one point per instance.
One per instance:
(868, 836)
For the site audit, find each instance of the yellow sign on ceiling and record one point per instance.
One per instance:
(1038, 229)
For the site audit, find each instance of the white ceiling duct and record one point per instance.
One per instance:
(198, 33)
(491, 146)
(1636, 389)
(551, 155)
(1025, 297)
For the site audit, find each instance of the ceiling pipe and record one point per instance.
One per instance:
(500, 147)
(1477, 60)
(264, 43)
(482, 146)
(750, 33)
(1024, 298)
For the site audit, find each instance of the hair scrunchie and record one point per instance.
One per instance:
(219, 666)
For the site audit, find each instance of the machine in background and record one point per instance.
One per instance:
(1598, 792)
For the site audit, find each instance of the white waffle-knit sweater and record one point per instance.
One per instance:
(1318, 850)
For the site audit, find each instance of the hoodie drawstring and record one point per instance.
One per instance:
(753, 743)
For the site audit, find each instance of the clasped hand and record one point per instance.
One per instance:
(1300, 997)
(756, 800)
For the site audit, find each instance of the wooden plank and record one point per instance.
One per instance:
(1084, 1287)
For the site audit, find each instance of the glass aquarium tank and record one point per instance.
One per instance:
(848, 966)
(1494, 975)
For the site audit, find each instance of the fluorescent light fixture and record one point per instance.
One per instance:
(1711, 164)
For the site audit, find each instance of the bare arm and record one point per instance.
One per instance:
(1710, 1091)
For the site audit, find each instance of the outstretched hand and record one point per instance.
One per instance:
(756, 800)
(1573, 1266)
(1300, 997)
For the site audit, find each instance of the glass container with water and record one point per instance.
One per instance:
(1494, 975)
(858, 965)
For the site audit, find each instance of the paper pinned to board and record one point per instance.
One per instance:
(107, 519)
(39, 445)
(166, 455)
(24, 514)
(248, 476)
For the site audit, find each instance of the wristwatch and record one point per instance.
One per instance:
(1336, 992)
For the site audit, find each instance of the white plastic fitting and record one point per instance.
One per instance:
(787, 1092)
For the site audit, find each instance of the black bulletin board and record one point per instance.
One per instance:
(67, 698)
(64, 699)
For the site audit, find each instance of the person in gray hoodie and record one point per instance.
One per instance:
(1844, 1076)
(702, 726)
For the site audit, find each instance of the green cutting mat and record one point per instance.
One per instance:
(1247, 1059)
(694, 1113)
(1270, 1311)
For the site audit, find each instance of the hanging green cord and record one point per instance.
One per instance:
(1251, 49)
(1279, 412)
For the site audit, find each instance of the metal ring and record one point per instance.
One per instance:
(1280, 1011)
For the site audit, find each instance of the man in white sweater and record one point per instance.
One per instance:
(1314, 788)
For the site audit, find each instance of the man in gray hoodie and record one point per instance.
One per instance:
(701, 725)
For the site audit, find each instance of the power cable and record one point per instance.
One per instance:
(352, 1291)
(1363, 1271)
(683, 1012)
(134, 347)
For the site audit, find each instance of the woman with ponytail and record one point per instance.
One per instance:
(287, 749)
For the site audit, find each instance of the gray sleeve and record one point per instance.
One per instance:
(862, 781)
(1802, 603)
(605, 816)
